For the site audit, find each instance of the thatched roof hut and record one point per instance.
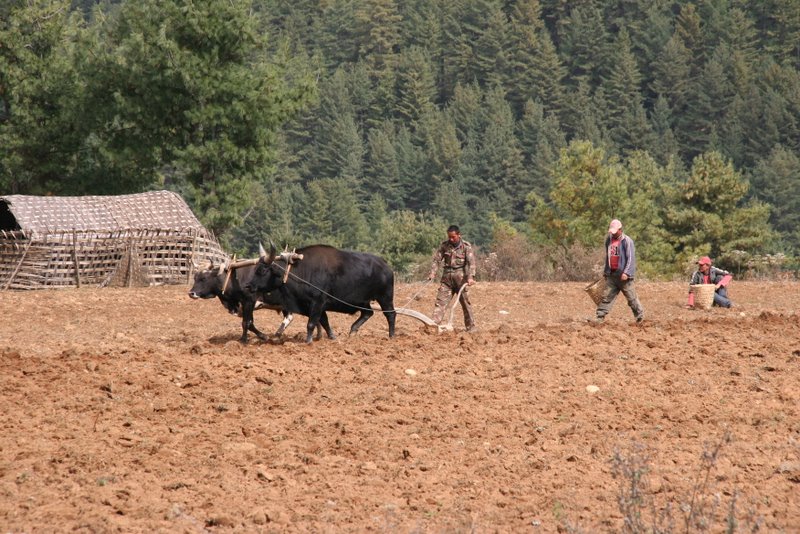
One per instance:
(126, 240)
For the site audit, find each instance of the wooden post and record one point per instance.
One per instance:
(19, 264)
(130, 263)
(75, 257)
(190, 265)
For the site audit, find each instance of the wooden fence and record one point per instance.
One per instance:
(116, 258)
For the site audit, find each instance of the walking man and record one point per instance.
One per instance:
(459, 270)
(619, 272)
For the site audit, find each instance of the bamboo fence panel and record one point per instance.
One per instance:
(136, 257)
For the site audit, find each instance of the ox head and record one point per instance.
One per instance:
(265, 278)
(208, 280)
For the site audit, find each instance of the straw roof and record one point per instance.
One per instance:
(155, 210)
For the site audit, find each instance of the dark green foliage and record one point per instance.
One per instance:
(343, 120)
(776, 181)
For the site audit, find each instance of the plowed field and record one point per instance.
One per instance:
(137, 410)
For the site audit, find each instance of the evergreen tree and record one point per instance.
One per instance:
(339, 33)
(707, 213)
(442, 150)
(536, 70)
(338, 146)
(709, 97)
(492, 62)
(500, 158)
(778, 23)
(331, 214)
(688, 27)
(382, 170)
(450, 204)
(414, 171)
(378, 42)
(40, 130)
(416, 86)
(584, 116)
(422, 27)
(583, 44)
(626, 117)
(646, 188)
(466, 110)
(588, 190)
(776, 181)
(664, 146)
(541, 139)
(671, 74)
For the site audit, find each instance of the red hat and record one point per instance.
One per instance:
(705, 260)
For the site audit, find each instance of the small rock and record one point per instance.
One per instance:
(220, 521)
(488, 360)
(174, 512)
(592, 389)
(259, 517)
(504, 312)
(369, 466)
(263, 475)
(411, 372)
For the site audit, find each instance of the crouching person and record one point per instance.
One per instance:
(706, 274)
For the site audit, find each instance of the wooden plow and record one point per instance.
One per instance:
(445, 325)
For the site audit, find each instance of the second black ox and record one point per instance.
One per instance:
(230, 285)
(328, 279)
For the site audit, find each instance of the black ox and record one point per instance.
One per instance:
(236, 296)
(328, 279)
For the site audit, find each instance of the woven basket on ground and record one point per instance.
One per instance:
(596, 289)
(703, 295)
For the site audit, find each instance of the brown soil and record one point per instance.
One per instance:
(136, 410)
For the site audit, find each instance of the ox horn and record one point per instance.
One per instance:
(263, 253)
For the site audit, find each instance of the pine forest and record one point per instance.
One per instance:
(374, 124)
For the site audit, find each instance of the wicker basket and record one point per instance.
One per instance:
(596, 290)
(703, 295)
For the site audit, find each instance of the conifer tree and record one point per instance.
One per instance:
(414, 171)
(583, 44)
(664, 146)
(416, 86)
(500, 158)
(536, 72)
(491, 50)
(541, 139)
(588, 190)
(382, 169)
(708, 215)
(778, 22)
(626, 116)
(776, 181)
(671, 74)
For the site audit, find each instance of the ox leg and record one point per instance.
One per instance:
(316, 317)
(287, 320)
(323, 322)
(365, 315)
(391, 315)
(247, 323)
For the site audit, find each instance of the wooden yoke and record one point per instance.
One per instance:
(228, 276)
(290, 258)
